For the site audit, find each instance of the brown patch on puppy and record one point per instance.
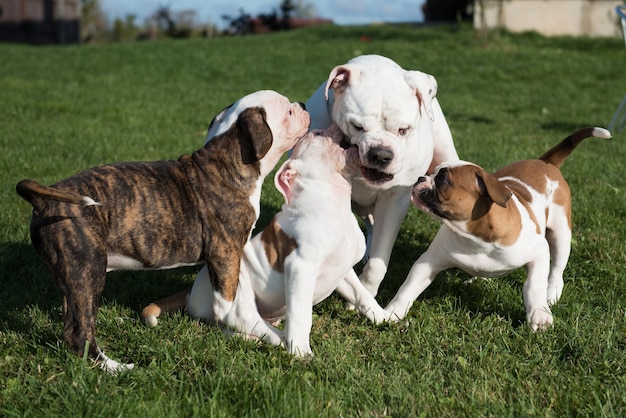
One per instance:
(278, 245)
(483, 201)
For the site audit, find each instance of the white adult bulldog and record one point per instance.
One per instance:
(393, 117)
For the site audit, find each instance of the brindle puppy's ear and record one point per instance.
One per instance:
(255, 135)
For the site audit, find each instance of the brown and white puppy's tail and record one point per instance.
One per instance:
(30, 190)
(560, 152)
(173, 303)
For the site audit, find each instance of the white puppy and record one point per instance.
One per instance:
(304, 254)
(393, 117)
(493, 224)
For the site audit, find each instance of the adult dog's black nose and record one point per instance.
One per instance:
(379, 157)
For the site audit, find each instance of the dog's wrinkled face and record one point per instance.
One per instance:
(288, 122)
(459, 191)
(323, 156)
(328, 149)
(380, 110)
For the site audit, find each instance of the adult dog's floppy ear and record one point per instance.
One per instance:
(255, 135)
(425, 87)
(340, 77)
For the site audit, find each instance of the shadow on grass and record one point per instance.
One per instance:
(481, 297)
(561, 127)
(26, 286)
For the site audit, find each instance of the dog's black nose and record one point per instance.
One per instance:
(302, 105)
(380, 157)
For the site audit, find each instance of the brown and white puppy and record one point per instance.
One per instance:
(304, 254)
(159, 215)
(493, 224)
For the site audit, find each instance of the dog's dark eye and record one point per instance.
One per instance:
(442, 177)
(403, 131)
(357, 127)
(290, 112)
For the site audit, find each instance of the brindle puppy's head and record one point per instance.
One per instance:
(287, 121)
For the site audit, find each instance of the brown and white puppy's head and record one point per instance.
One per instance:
(288, 122)
(380, 107)
(458, 194)
(321, 155)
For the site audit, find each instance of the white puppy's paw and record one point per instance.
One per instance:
(540, 319)
(397, 311)
(394, 316)
(151, 321)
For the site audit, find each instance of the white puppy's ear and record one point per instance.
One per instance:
(340, 77)
(284, 178)
(425, 87)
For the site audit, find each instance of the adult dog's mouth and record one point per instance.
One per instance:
(374, 176)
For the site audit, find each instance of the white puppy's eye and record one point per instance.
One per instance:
(403, 131)
(290, 112)
(357, 127)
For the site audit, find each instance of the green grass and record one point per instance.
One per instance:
(464, 351)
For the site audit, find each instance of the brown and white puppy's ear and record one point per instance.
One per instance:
(425, 87)
(255, 135)
(493, 190)
(497, 192)
(284, 179)
(340, 77)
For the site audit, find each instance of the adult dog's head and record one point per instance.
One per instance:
(387, 112)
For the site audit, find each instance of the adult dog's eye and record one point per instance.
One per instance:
(403, 131)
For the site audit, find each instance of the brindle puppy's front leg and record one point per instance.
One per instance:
(223, 264)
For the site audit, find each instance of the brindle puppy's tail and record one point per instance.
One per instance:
(560, 152)
(29, 190)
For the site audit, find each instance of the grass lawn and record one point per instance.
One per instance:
(465, 349)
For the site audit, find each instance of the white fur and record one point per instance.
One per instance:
(544, 255)
(329, 242)
(380, 99)
(112, 366)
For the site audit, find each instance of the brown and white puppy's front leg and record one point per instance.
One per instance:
(535, 291)
(421, 275)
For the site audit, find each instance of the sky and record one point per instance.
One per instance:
(342, 12)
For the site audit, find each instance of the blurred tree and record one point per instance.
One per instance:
(303, 9)
(93, 25)
(125, 30)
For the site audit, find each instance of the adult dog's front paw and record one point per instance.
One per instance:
(301, 350)
(539, 319)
